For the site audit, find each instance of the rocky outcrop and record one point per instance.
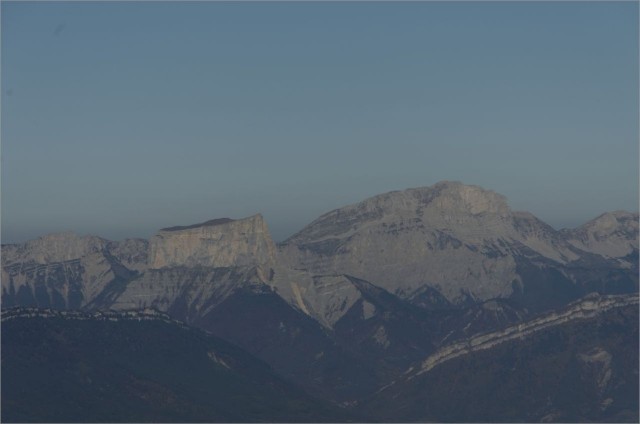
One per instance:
(217, 243)
(586, 308)
(137, 315)
(186, 293)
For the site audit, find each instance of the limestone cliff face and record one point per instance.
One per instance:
(186, 270)
(59, 247)
(66, 270)
(462, 240)
(586, 308)
(446, 236)
(218, 243)
(186, 293)
(191, 269)
(325, 298)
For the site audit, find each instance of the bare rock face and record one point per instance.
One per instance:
(186, 293)
(612, 235)
(218, 243)
(325, 298)
(59, 247)
(585, 308)
(65, 270)
(191, 269)
(447, 236)
(132, 253)
(462, 240)
(542, 238)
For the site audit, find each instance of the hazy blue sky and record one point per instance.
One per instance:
(121, 118)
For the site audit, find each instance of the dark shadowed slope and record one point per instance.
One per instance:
(577, 366)
(114, 367)
(295, 345)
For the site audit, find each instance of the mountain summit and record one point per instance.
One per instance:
(463, 241)
(612, 234)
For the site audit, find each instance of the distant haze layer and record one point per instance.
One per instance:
(121, 118)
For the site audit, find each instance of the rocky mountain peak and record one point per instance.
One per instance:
(610, 222)
(447, 204)
(446, 196)
(612, 234)
(406, 240)
(216, 243)
(56, 247)
(454, 196)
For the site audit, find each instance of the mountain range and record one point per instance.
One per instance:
(348, 307)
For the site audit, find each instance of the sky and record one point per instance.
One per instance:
(120, 118)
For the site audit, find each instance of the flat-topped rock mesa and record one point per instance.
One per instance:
(217, 243)
(193, 268)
